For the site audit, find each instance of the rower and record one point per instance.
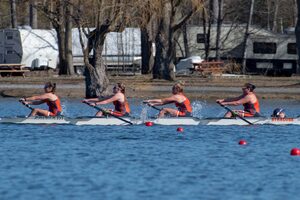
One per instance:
(49, 97)
(248, 99)
(118, 99)
(278, 113)
(181, 102)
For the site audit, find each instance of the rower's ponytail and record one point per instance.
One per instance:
(121, 86)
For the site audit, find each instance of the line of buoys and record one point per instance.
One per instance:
(295, 152)
(242, 142)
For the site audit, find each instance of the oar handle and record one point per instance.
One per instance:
(104, 111)
(154, 107)
(25, 104)
(235, 114)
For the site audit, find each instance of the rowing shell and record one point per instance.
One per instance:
(35, 120)
(253, 120)
(158, 121)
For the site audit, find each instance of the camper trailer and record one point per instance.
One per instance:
(266, 53)
(10, 47)
(37, 49)
(275, 55)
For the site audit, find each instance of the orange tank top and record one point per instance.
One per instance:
(252, 107)
(122, 107)
(54, 106)
(185, 106)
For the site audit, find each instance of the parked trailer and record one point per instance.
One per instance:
(38, 49)
(276, 55)
(266, 52)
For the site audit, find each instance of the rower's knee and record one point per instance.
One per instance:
(99, 114)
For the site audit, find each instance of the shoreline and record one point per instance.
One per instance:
(142, 86)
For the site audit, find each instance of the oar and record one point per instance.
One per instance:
(104, 111)
(25, 104)
(156, 108)
(236, 114)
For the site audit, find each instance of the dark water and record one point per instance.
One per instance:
(139, 162)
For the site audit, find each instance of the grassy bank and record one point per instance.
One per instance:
(143, 86)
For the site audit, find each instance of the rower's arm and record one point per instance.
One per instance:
(233, 99)
(109, 100)
(35, 102)
(38, 97)
(169, 100)
(238, 102)
(91, 100)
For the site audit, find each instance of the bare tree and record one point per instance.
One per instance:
(68, 68)
(13, 13)
(219, 25)
(247, 35)
(33, 14)
(148, 28)
(275, 16)
(112, 15)
(297, 32)
(60, 16)
(170, 19)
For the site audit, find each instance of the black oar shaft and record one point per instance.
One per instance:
(27, 105)
(104, 111)
(154, 107)
(236, 114)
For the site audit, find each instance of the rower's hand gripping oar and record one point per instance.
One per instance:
(25, 104)
(105, 112)
(156, 108)
(234, 113)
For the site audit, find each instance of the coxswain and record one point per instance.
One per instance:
(118, 99)
(278, 113)
(49, 97)
(184, 108)
(248, 99)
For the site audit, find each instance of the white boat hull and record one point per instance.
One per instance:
(105, 121)
(189, 121)
(35, 120)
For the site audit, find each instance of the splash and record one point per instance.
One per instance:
(144, 113)
(64, 110)
(198, 107)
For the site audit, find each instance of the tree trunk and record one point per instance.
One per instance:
(165, 53)
(276, 5)
(185, 41)
(207, 30)
(219, 24)
(147, 52)
(33, 14)
(13, 13)
(295, 12)
(215, 11)
(61, 49)
(297, 32)
(95, 76)
(165, 47)
(68, 41)
(246, 36)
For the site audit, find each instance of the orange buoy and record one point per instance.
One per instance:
(180, 129)
(242, 142)
(295, 152)
(149, 123)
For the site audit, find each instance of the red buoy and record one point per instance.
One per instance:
(180, 129)
(295, 152)
(242, 142)
(149, 123)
